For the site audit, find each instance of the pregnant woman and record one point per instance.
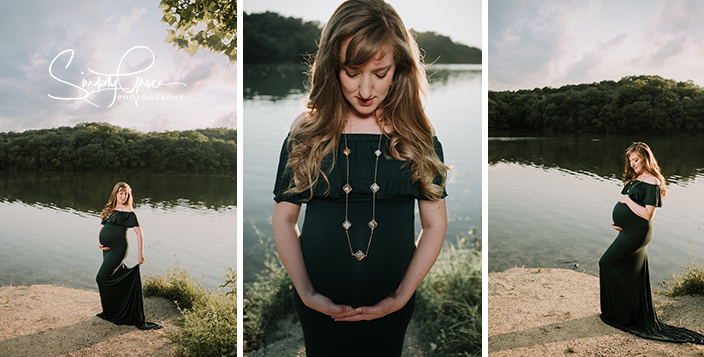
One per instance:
(360, 158)
(626, 300)
(121, 287)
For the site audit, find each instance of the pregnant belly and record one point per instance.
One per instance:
(628, 221)
(333, 270)
(114, 236)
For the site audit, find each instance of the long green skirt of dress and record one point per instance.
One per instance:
(626, 299)
(120, 287)
(337, 274)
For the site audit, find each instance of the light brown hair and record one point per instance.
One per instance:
(368, 25)
(650, 164)
(112, 202)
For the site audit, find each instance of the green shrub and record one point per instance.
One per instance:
(208, 321)
(176, 285)
(449, 304)
(268, 299)
(690, 280)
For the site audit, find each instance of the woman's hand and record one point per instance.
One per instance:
(324, 305)
(625, 199)
(104, 248)
(384, 307)
(616, 227)
(140, 258)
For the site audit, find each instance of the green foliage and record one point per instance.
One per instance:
(218, 30)
(449, 304)
(176, 285)
(105, 147)
(208, 323)
(209, 328)
(691, 280)
(441, 49)
(267, 300)
(634, 104)
(272, 38)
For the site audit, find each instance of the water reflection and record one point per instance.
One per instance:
(88, 192)
(681, 159)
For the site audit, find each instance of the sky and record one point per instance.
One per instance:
(461, 20)
(534, 44)
(57, 56)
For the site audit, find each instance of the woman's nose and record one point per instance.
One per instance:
(365, 88)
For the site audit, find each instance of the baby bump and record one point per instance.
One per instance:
(330, 264)
(630, 222)
(114, 236)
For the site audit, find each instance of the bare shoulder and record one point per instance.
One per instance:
(299, 118)
(651, 180)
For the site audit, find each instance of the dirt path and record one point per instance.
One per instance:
(555, 312)
(45, 320)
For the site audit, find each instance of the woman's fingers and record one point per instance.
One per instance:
(104, 248)
(616, 227)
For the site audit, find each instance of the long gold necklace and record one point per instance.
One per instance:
(347, 189)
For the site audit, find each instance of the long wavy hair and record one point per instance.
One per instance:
(368, 25)
(650, 164)
(112, 202)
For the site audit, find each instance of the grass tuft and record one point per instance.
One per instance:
(449, 304)
(690, 280)
(208, 321)
(267, 300)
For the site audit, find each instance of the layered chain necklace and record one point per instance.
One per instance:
(347, 189)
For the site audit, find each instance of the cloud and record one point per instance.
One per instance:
(227, 120)
(126, 22)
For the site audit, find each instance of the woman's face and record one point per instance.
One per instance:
(636, 162)
(365, 87)
(122, 196)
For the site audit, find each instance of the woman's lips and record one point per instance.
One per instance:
(365, 102)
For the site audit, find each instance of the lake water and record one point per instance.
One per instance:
(274, 97)
(50, 224)
(550, 201)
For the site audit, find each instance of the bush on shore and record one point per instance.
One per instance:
(208, 324)
(690, 280)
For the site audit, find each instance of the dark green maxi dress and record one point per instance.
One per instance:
(333, 270)
(120, 287)
(626, 298)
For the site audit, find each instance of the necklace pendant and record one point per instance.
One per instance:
(373, 224)
(347, 188)
(374, 187)
(359, 255)
(347, 151)
(346, 224)
(377, 152)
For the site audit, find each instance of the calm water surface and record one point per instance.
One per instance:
(274, 97)
(50, 224)
(550, 201)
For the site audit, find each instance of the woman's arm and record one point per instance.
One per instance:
(433, 220)
(140, 245)
(286, 236)
(647, 212)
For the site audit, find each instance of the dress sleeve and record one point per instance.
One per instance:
(438, 178)
(130, 220)
(652, 195)
(284, 178)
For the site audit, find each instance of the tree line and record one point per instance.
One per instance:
(635, 104)
(105, 147)
(272, 38)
